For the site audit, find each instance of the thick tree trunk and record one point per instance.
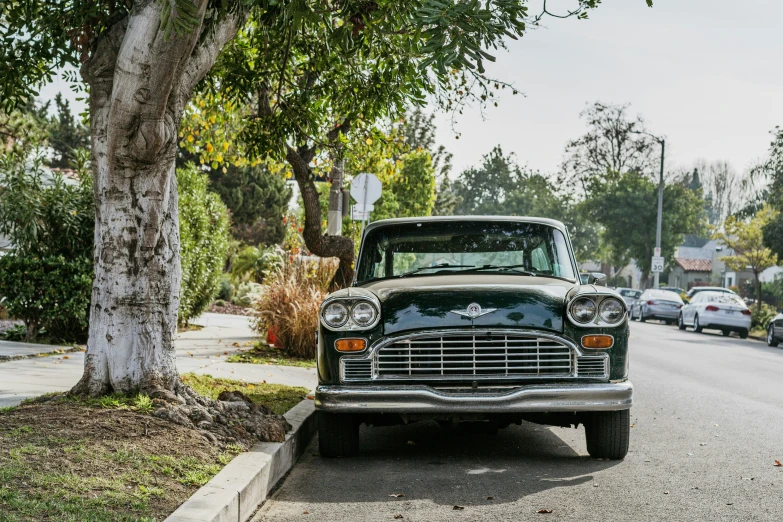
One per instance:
(139, 83)
(319, 244)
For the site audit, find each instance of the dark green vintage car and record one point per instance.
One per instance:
(472, 319)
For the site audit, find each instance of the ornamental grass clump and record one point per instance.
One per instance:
(289, 305)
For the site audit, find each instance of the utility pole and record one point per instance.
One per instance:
(334, 220)
(660, 209)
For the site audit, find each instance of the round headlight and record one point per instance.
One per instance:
(583, 310)
(335, 315)
(611, 310)
(363, 313)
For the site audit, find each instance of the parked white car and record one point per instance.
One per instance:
(716, 311)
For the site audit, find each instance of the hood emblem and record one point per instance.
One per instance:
(474, 310)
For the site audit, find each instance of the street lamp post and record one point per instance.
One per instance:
(660, 209)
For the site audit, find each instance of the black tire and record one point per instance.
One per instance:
(680, 322)
(726, 333)
(771, 340)
(608, 433)
(338, 434)
(642, 318)
(696, 326)
(743, 334)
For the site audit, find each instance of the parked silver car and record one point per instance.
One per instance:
(775, 330)
(657, 304)
(717, 311)
(629, 295)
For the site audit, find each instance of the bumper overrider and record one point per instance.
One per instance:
(576, 397)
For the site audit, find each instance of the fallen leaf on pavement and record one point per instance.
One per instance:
(309, 397)
(398, 516)
(235, 344)
(458, 508)
(490, 498)
(778, 464)
(411, 443)
(397, 495)
(305, 512)
(665, 492)
(66, 357)
(544, 511)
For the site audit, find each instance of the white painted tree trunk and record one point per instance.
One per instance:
(139, 85)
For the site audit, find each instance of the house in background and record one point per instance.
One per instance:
(690, 272)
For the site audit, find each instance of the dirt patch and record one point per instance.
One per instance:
(61, 460)
(262, 353)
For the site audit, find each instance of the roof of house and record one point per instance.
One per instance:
(694, 265)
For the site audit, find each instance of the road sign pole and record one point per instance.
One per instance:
(364, 204)
(660, 210)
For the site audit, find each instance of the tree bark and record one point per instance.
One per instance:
(140, 82)
(319, 244)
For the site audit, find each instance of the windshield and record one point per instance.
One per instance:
(427, 248)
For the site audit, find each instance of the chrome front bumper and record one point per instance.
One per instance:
(425, 399)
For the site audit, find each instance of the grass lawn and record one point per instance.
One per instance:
(108, 459)
(759, 332)
(262, 353)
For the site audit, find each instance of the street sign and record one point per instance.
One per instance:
(657, 264)
(360, 213)
(657, 251)
(366, 188)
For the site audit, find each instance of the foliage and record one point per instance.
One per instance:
(66, 135)
(17, 332)
(50, 294)
(42, 213)
(772, 170)
(747, 240)
(614, 143)
(628, 202)
(255, 263)
(262, 353)
(204, 226)
(225, 288)
(762, 315)
(22, 130)
(483, 190)
(257, 200)
(290, 305)
(247, 293)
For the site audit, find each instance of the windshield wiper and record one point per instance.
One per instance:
(441, 265)
(512, 268)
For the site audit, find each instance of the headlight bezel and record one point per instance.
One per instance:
(326, 308)
(351, 325)
(597, 321)
(579, 300)
(606, 302)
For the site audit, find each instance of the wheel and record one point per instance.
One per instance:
(771, 341)
(726, 333)
(338, 434)
(743, 334)
(680, 322)
(642, 318)
(607, 434)
(696, 326)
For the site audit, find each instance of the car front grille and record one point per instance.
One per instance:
(474, 355)
(468, 356)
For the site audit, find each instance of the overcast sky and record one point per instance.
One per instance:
(705, 73)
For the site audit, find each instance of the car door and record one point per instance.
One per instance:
(691, 308)
(640, 302)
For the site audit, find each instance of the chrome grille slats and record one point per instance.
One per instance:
(481, 354)
(592, 366)
(353, 369)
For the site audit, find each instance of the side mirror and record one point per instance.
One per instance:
(597, 278)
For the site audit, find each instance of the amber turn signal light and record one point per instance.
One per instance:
(597, 341)
(350, 345)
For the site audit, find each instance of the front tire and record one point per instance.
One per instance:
(608, 434)
(743, 334)
(771, 341)
(338, 435)
(726, 333)
(696, 326)
(680, 322)
(642, 318)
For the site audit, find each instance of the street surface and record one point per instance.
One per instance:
(200, 351)
(707, 429)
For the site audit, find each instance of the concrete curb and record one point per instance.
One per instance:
(234, 494)
(46, 351)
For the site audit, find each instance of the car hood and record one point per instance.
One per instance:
(431, 301)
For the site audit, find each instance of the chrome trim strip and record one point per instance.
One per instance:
(425, 399)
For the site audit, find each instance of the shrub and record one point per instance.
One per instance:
(291, 303)
(51, 294)
(225, 288)
(203, 226)
(247, 293)
(760, 320)
(253, 263)
(220, 303)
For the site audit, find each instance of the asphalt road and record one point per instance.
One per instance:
(707, 429)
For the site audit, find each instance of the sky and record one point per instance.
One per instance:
(705, 74)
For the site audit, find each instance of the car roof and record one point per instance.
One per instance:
(435, 219)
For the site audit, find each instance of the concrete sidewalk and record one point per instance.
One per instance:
(201, 351)
(10, 350)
